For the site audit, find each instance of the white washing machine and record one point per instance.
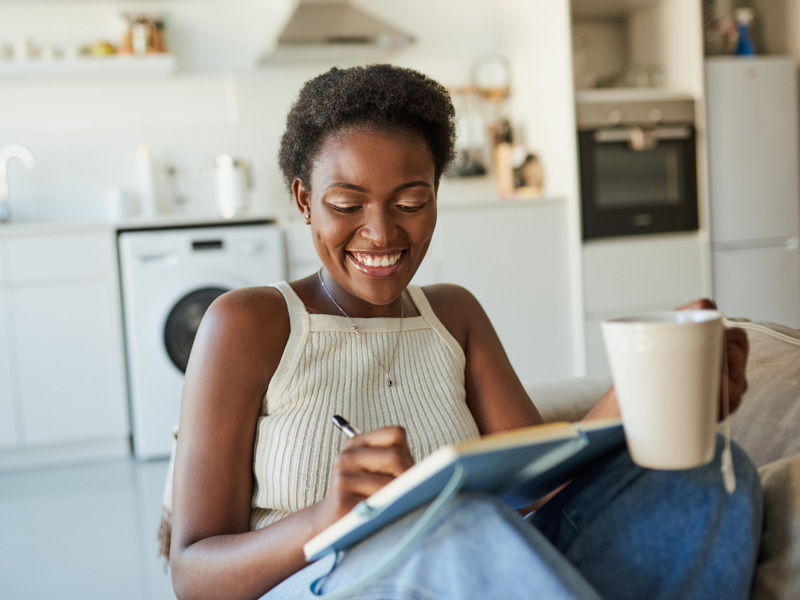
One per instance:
(169, 279)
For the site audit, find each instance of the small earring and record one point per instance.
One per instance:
(307, 218)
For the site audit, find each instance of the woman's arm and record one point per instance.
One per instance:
(214, 554)
(495, 396)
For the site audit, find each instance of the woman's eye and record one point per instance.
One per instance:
(409, 207)
(351, 208)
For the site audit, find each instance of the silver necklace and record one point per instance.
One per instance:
(389, 381)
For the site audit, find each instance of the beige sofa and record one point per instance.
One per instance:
(767, 426)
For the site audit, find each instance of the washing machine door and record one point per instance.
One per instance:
(183, 321)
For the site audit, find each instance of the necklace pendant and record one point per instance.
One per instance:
(389, 382)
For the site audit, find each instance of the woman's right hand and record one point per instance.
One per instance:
(368, 462)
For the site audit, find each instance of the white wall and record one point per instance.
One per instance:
(539, 45)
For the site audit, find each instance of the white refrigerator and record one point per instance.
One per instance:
(754, 178)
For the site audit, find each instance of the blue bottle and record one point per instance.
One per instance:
(744, 45)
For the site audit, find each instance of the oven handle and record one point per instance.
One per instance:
(611, 136)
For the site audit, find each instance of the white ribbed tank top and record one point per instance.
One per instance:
(326, 370)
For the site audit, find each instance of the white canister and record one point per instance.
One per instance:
(231, 179)
(120, 204)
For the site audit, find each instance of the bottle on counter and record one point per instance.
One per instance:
(503, 155)
(744, 45)
(140, 36)
(232, 180)
(157, 186)
(147, 189)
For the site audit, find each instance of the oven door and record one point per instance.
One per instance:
(636, 181)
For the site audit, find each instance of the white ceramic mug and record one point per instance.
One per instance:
(666, 370)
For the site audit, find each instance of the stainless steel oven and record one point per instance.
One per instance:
(638, 165)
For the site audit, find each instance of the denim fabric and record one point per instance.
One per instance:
(638, 533)
(480, 549)
(617, 532)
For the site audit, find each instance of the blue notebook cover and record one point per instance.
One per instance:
(520, 466)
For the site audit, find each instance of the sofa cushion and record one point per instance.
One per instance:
(777, 575)
(567, 400)
(767, 424)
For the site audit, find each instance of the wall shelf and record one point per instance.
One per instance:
(153, 65)
(608, 8)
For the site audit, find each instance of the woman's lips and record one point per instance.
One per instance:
(358, 260)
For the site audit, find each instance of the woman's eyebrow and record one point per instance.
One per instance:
(411, 184)
(347, 186)
(358, 188)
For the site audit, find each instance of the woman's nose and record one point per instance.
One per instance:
(380, 228)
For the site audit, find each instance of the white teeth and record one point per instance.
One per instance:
(377, 261)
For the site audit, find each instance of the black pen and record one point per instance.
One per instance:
(346, 428)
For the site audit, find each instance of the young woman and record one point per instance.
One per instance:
(259, 469)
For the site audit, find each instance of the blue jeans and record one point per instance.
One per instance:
(618, 531)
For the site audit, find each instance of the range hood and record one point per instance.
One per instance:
(335, 30)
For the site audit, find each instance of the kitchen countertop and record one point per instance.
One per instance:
(38, 228)
(448, 190)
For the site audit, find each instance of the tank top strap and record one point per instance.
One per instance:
(426, 312)
(298, 335)
(297, 310)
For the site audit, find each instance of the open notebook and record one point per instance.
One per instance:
(520, 466)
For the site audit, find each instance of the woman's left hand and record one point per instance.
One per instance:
(736, 350)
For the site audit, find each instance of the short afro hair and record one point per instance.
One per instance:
(376, 96)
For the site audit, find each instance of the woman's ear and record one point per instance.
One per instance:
(302, 199)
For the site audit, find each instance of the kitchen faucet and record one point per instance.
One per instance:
(6, 154)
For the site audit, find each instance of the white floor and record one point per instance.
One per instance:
(82, 532)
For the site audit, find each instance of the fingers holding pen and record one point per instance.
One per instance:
(368, 462)
(384, 450)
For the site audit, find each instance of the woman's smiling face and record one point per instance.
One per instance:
(372, 210)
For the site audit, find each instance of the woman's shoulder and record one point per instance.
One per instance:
(455, 307)
(449, 295)
(253, 320)
(263, 305)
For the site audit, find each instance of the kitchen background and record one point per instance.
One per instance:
(110, 134)
(84, 131)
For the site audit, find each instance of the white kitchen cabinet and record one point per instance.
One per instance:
(8, 414)
(71, 379)
(627, 276)
(48, 259)
(3, 261)
(642, 272)
(596, 358)
(760, 284)
(300, 252)
(62, 376)
(513, 258)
